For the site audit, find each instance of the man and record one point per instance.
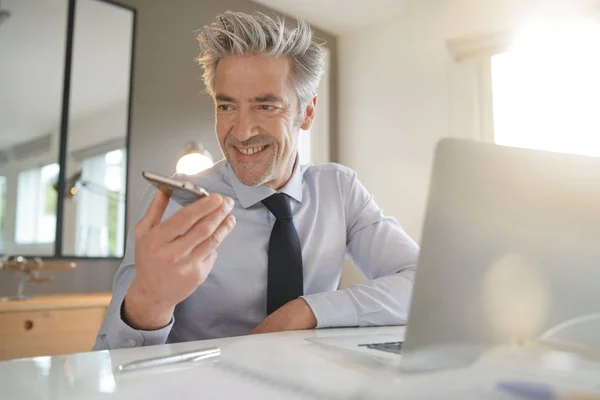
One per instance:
(281, 230)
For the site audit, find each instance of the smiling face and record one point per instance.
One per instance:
(257, 118)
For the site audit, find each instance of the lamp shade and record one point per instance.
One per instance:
(194, 160)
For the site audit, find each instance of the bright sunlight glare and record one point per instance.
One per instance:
(193, 163)
(546, 88)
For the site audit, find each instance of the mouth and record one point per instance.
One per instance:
(250, 153)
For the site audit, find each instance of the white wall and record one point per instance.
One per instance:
(400, 91)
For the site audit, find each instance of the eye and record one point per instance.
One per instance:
(266, 107)
(224, 107)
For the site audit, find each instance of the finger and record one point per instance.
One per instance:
(180, 222)
(154, 213)
(211, 241)
(198, 269)
(201, 231)
(207, 265)
(211, 257)
(212, 229)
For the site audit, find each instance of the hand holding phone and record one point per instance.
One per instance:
(167, 185)
(173, 257)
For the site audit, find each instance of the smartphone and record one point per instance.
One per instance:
(167, 185)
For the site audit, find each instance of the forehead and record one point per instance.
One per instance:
(253, 75)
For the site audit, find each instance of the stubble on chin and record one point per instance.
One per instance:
(254, 173)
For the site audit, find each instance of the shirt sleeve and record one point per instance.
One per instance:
(383, 251)
(114, 332)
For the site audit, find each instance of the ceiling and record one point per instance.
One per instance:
(32, 56)
(339, 17)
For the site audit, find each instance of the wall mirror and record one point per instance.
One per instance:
(65, 74)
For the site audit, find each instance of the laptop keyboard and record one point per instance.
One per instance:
(390, 347)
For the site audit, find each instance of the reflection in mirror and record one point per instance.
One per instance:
(32, 48)
(94, 204)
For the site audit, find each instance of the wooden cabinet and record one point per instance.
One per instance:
(50, 325)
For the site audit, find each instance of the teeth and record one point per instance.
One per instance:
(251, 150)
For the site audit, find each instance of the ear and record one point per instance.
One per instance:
(309, 114)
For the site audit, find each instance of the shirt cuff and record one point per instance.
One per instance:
(332, 309)
(121, 335)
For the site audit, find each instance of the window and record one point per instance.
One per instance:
(100, 197)
(304, 147)
(36, 192)
(546, 88)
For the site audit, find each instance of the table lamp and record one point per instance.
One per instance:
(194, 160)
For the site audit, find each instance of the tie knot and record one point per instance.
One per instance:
(279, 205)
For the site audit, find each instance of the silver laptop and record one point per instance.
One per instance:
(510, 247)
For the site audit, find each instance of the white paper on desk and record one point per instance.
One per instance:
(196, 382)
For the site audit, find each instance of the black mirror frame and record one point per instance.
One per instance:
(64, 127)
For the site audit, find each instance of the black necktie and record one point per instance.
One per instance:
(284, 279)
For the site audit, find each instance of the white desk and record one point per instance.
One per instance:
(272, 366)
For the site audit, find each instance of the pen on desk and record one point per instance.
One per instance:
(542, 391)
(195, 355)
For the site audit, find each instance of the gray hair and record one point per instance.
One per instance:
(238, 34)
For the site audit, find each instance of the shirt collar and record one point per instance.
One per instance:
(249, 195)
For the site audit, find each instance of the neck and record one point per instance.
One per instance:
(285, 177)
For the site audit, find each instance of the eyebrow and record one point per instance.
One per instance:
(223, 97)
(265, 98)
(268, 98)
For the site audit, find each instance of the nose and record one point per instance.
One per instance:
(244, 127)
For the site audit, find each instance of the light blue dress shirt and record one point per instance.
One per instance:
(335, 218)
